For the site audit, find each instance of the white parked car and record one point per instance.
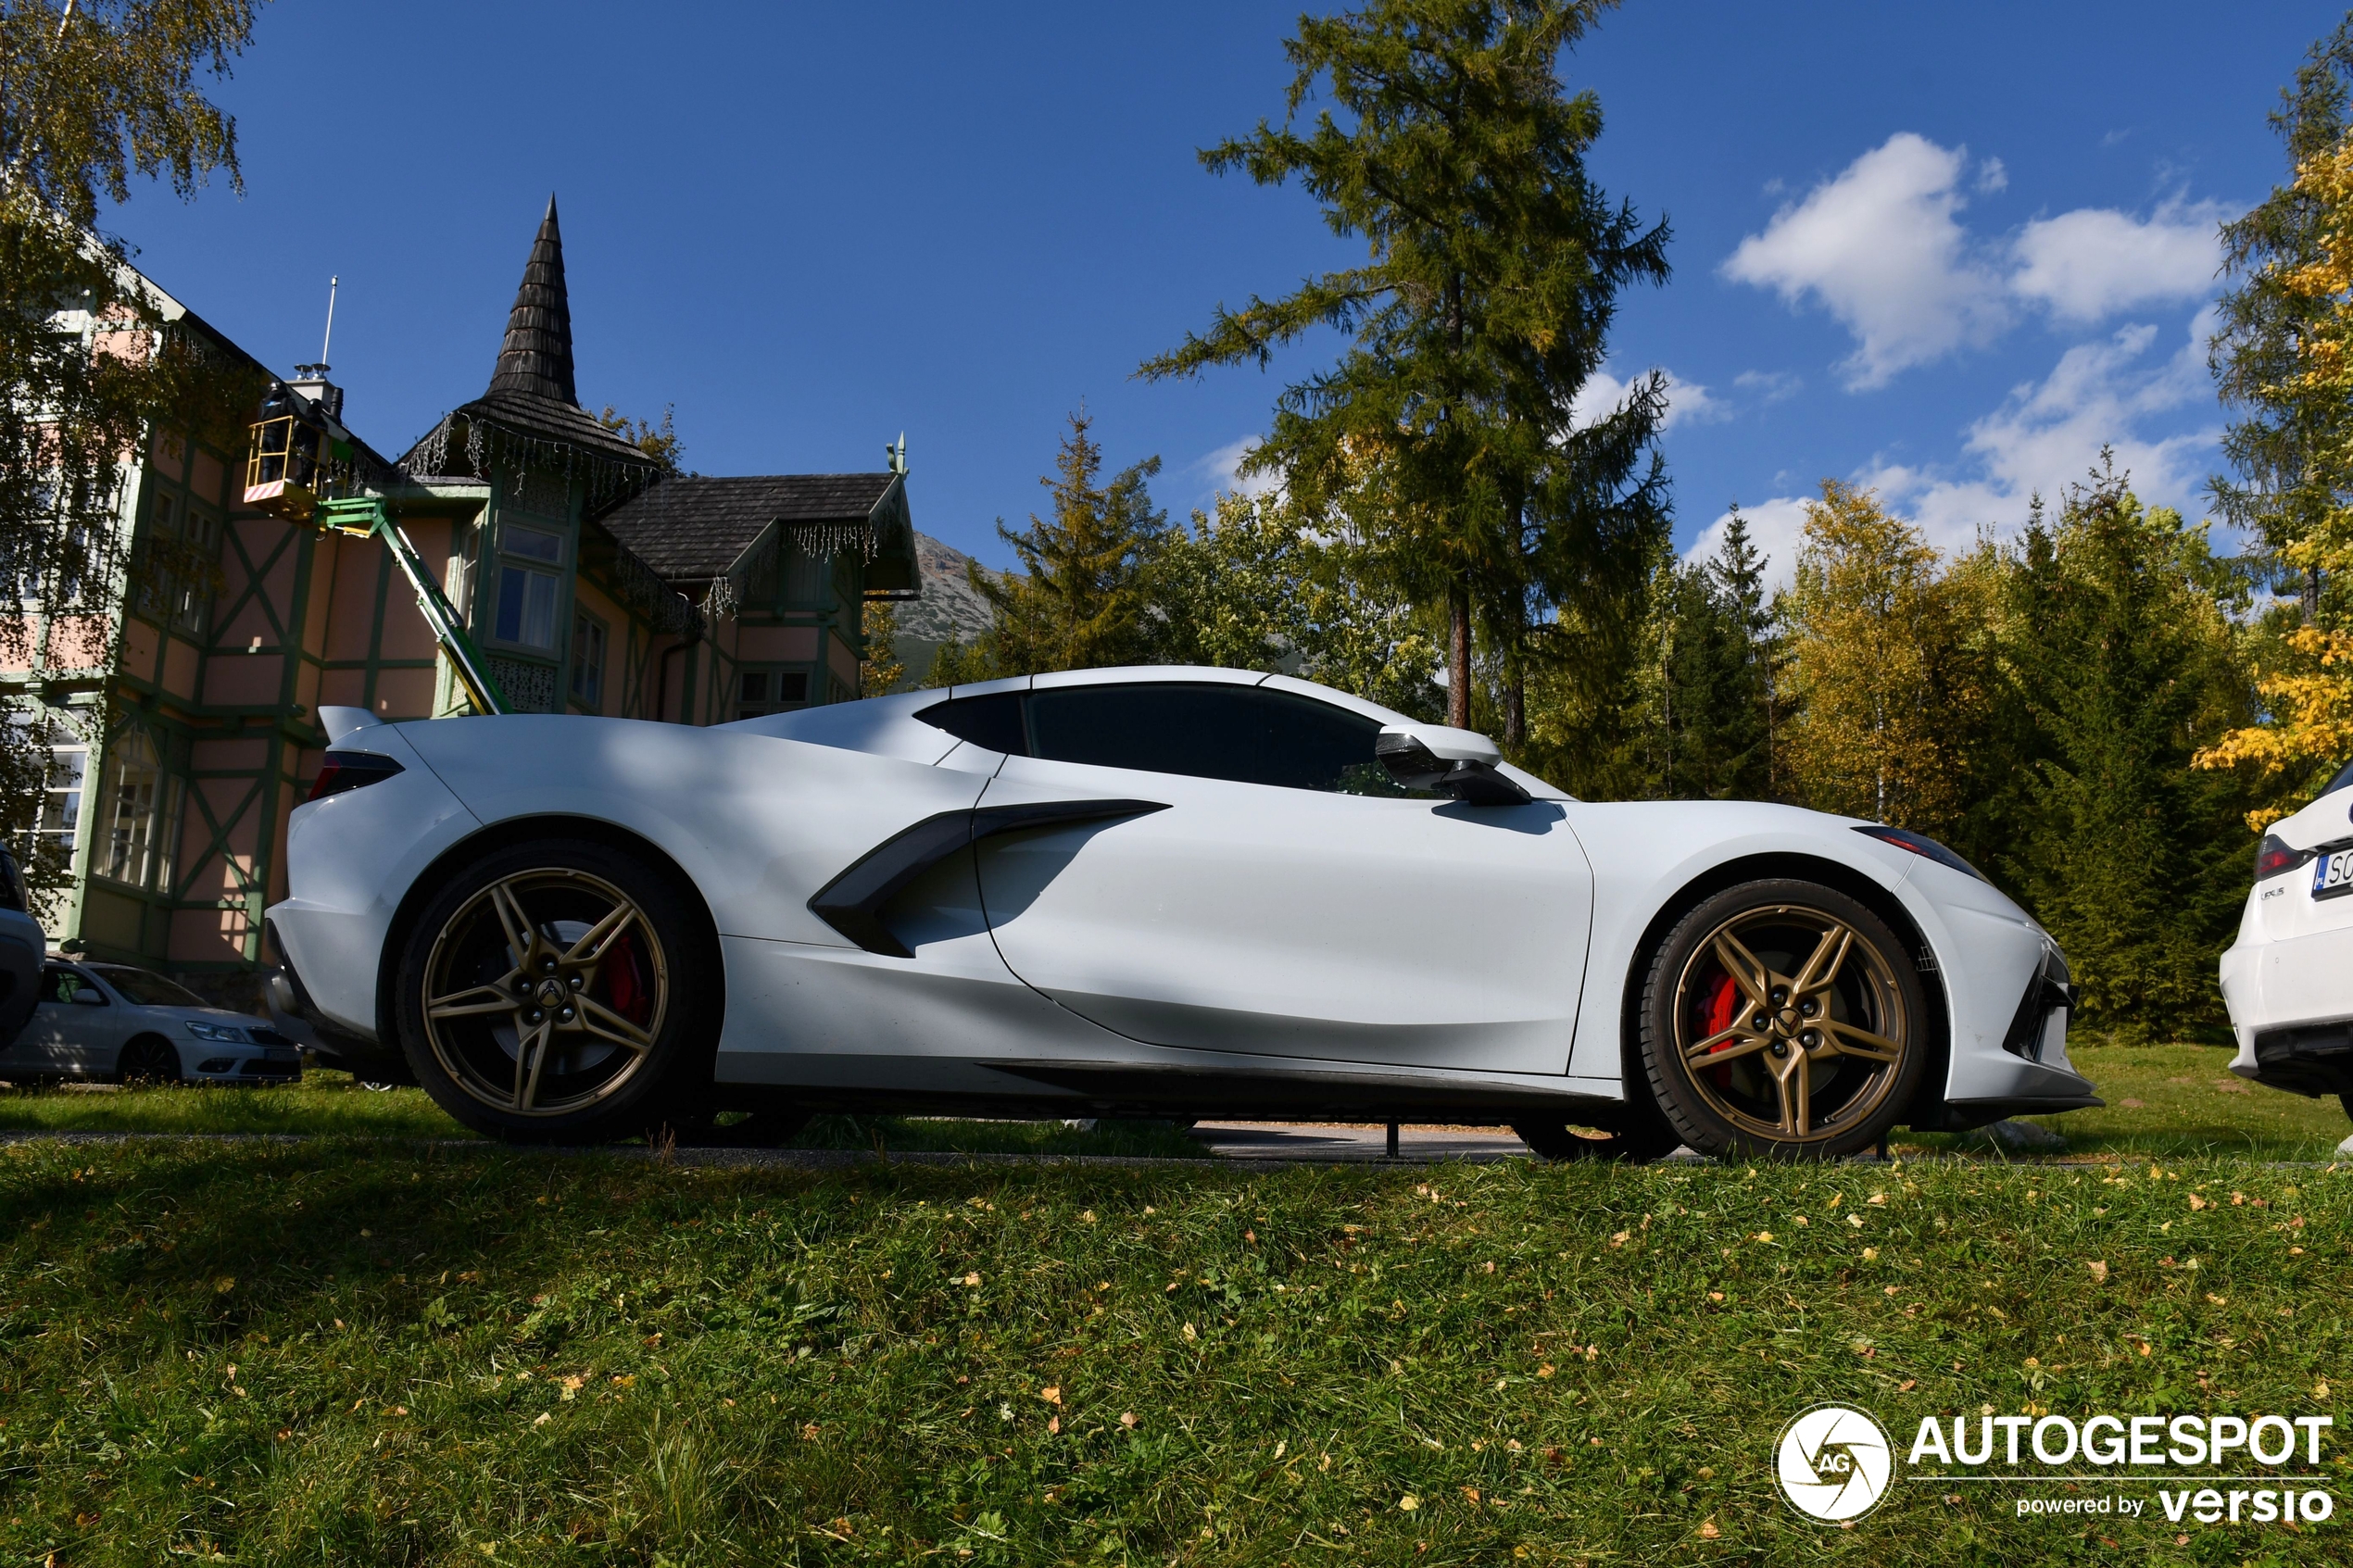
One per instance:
(1164, 892)
(21, 944)
(2288, 979)
(116, 1024)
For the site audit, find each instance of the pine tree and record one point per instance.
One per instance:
(2136, 863)
(1083, 597)
(1483, 307)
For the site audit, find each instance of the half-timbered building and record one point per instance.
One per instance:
(182, 716)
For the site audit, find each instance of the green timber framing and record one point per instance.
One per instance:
(198, 702)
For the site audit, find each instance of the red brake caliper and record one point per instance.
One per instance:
(620, 964)
(1721, 1008)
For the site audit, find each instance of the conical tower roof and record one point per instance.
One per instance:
(531, 413)
(536, 356)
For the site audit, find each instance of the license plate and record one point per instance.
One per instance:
(2333, 874)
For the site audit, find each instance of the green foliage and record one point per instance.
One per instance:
(1444, 433)
(1255, 589)
(2279, 444)
(91, 95)
(2120, 647)
(331, 1354)
(1082, 599)
(660, 442)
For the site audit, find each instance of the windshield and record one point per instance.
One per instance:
(145, 989)
(2343, 777)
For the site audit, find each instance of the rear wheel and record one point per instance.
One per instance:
(147, 1059)
(560, 991)
(1784, 1020)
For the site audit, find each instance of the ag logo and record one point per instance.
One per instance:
(1834, 1462)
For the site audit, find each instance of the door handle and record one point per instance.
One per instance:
(853, 901)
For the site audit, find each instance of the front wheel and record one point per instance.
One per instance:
(147, 1060)
(1784, 1020)
(560, 991)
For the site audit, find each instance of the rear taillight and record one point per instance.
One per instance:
(350, 769)
(2274, 856)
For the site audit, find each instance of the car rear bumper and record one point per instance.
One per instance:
(2291, 1007)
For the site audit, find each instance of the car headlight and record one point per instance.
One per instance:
(226, 1033)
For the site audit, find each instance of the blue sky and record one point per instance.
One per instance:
(1944, 250)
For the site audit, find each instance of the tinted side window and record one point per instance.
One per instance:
(1237, 733)
(58, 984)
(993, 720)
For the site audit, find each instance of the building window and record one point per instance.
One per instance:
(526, 610)
(587, 661)
(770, 691)
(141, 803)
(58, 815)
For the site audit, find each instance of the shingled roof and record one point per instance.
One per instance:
(535, 356)
(693, 530)
(531, 397)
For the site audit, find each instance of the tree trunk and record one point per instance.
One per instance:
(1514, 712)
(1458, 656)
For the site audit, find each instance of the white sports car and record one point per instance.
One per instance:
(2288, 979)
(1138, 891)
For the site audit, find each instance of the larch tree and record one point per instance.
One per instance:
(1868, 621)
(1483, 307)
(2301, 370)
(2286, 257)
(1083, 597)
(95, 94)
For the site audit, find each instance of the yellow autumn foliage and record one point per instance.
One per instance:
(2312, 707)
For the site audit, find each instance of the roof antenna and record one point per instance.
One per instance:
(330, 338)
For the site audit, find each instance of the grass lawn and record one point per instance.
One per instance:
(2179, 1101)
(351, 1351)
(329, 1103)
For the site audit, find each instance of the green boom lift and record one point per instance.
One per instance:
(295, 447)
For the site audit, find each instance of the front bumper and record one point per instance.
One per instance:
(213, 1061)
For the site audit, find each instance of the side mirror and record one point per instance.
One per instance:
(1460, 763)
(88, 997)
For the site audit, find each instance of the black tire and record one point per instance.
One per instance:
(1635, 1140)
(1815, 1008)
(612, 1033)
(147, 1059)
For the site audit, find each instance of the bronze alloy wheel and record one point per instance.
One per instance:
(1784, 1019)
(545, 993)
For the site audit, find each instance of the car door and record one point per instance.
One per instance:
(65, 1034)
(1261, 904)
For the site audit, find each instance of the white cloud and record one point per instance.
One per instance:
(1774, 528)
(1879, 249)
(2044, 436)
(1687, 402)
(2047, 434)
(1222, 470)
(2093, 261)
(1771, 386)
